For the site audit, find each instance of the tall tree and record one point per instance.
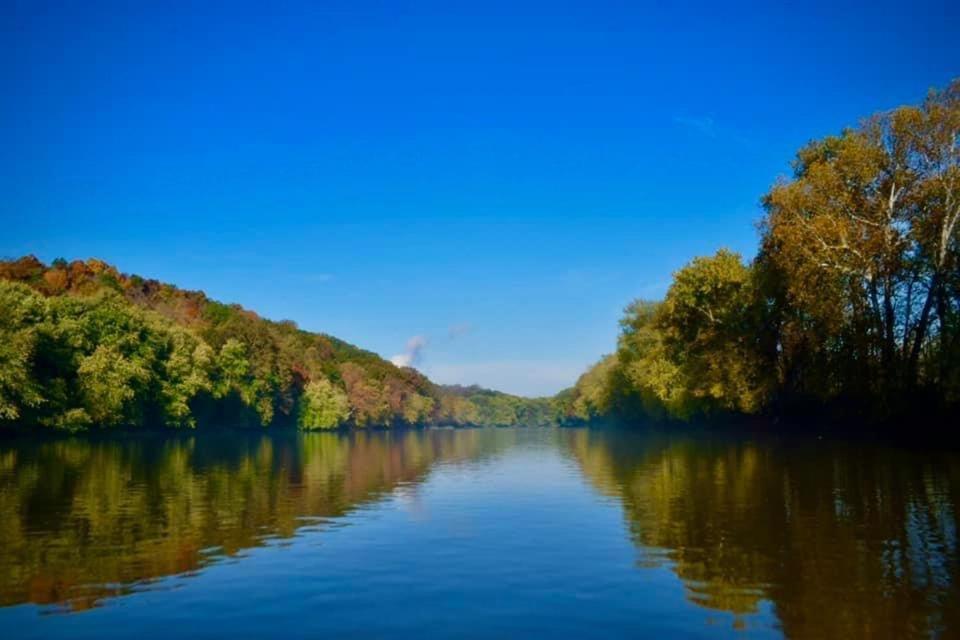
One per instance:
(863, 242)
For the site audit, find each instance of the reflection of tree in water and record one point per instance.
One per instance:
(844, 540)
(84, 519)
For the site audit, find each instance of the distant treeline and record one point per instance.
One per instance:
(852, 305)
(83, 345)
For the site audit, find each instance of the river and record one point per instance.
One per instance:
(483, 533)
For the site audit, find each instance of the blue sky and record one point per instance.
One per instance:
(499, 179)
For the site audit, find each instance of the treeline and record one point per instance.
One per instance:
(852, 305)
(83, 345)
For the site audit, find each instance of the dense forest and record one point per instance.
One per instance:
(83, 345)
(851, 307)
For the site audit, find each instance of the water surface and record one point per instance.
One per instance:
(476, 533)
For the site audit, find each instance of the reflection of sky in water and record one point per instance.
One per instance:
(476, 533)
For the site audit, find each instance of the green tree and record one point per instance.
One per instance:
(647, 367)
(100, 354)
(109, 382)
(594, 390)
(234, 374)
(322, 406)
(186, 372)
(710, 328)
(24, 313)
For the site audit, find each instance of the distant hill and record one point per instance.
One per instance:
(84, 345)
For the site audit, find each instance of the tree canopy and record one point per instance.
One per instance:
(83, 345)
(853, 300)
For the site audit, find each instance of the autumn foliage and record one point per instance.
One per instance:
(84, 345)
(852, 304)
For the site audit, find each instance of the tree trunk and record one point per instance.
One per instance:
(888, 336)
(921, 332)
(944, 336)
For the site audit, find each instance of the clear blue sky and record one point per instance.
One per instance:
(499, 178)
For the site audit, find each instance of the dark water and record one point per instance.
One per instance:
(477, 533)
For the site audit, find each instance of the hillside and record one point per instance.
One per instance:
(84, 345)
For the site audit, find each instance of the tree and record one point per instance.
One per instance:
(647, 367)
(709, 329)
(930, 135)
(863, 244)
(322, 406)
(594, 390)
(109, 383)
(235, 375)
(186, 372)
(86, 345)
(23, 314)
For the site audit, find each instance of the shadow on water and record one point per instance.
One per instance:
(82, 519)
(844, 539)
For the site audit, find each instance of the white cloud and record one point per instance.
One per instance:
(412, 352)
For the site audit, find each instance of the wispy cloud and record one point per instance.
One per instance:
(701, 124)
(318, 277)
(412, 352)
(706, 126)
(459, 330)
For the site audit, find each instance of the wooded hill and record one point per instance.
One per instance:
(84, 345)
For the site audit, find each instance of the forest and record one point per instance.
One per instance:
(850, 308)
(84, 345)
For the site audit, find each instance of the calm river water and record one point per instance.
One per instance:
(486, 533)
